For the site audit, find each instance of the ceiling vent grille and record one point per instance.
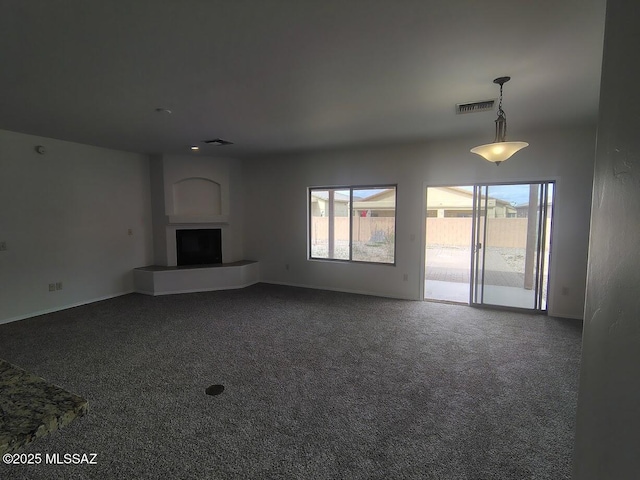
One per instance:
(475, 107)
(218, 141)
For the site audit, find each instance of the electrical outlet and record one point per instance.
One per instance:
(58, 285)
(52, 287)
(3, 245)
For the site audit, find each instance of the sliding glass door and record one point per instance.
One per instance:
(511, 233)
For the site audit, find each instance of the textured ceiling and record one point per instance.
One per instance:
(275, 75)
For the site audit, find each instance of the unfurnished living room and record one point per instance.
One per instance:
(295, 239)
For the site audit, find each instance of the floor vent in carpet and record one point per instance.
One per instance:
(214, 390)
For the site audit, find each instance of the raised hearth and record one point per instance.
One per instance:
(160, 280)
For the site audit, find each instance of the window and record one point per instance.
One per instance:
(355, 224)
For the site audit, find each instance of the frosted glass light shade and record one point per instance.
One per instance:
(498, 152)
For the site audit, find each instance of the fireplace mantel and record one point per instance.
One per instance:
(197, 219)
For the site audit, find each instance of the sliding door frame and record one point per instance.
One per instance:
(479, 243)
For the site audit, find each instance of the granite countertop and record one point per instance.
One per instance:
(31, 407)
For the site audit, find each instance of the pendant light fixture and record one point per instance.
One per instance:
(500, 150)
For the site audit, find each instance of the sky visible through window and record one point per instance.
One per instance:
(514, 194)
(364, 193)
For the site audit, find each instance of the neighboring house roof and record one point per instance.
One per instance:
(324, 195)
(526, 205)
(468, 194)
(383, 200)
(376, 196)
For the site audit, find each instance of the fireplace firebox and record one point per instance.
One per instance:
(201, 246)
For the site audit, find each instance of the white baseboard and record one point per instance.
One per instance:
(570, 316)
(64, 307)
(288, 284)
(146, 292)
(343, 290)
(195, 290)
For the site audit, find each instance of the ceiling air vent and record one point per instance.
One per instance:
(218, 141)
(475, 106)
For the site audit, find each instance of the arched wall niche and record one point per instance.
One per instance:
(197, 196)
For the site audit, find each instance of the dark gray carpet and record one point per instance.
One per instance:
(317, 385)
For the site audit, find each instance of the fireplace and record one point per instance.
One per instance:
(202, 246)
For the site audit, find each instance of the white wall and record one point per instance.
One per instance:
(608, 421)
(65, 216)
(178, 168)
(276, 208)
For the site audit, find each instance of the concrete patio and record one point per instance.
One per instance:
(448, 275)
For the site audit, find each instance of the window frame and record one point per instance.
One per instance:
(351, 188)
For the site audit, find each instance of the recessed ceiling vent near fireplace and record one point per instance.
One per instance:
(218, 141)
(475, 107)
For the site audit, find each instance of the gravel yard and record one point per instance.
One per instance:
(362, 251)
